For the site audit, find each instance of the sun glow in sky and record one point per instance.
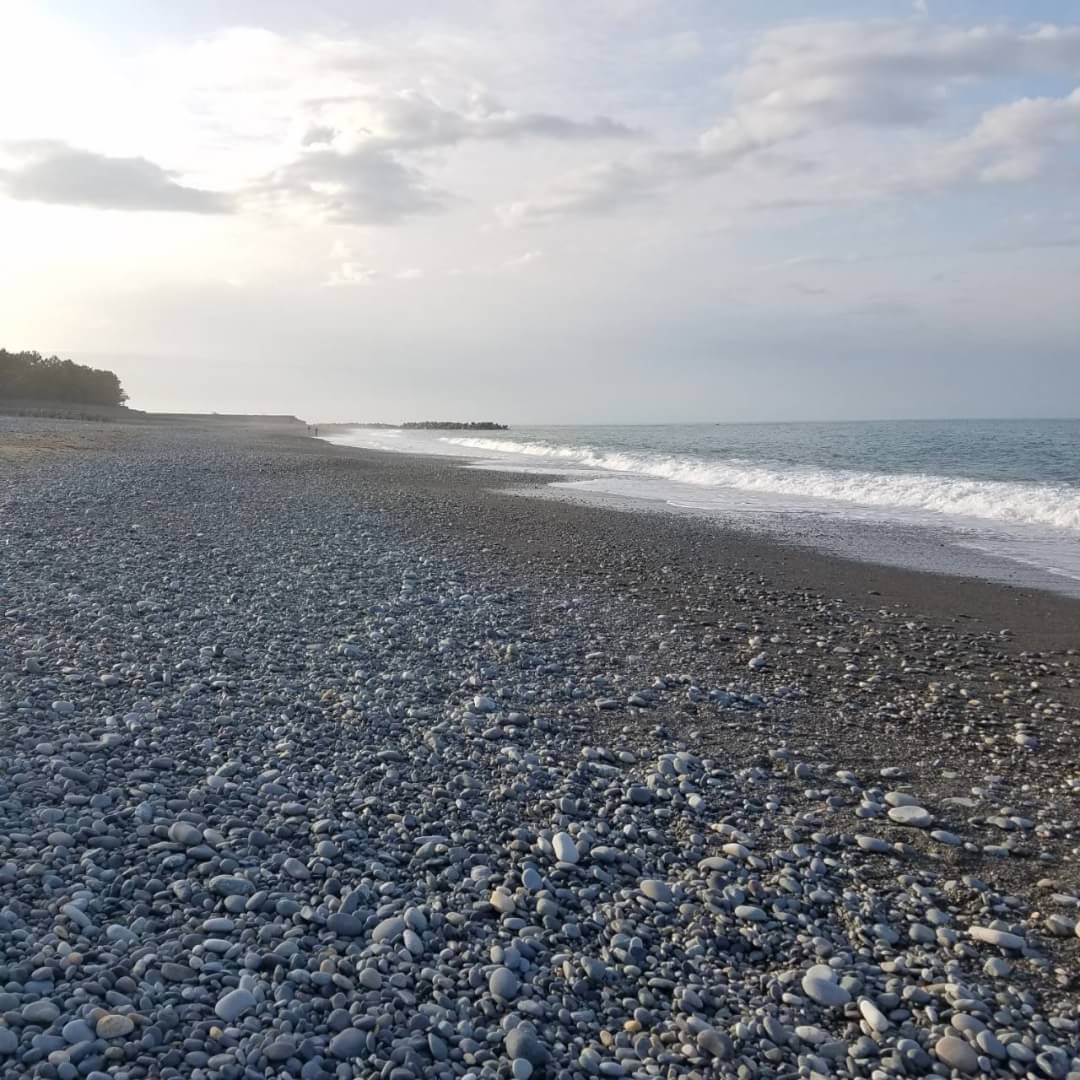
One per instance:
(594, 211)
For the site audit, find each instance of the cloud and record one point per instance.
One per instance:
(827, 73)
(55, 172)
(410, 120)
(1015, 141)
(318, 135)
(345, 126)
(365, 185)
(804, 81)
(356, 163)
(600, 189)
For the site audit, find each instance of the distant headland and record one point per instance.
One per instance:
(47, 386)
(425, 425)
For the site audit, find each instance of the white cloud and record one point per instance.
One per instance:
(50, 171)
(410, 120)
(596, 190)
(888, 72)
(356, 164)
(805, 81)
(344, 116)
(365, 185)
(1019, 138)
(344, 126)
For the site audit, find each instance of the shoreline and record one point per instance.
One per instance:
(993, 547)
(703, 580)
(1042, 619)
(916, 548)
(282, 710)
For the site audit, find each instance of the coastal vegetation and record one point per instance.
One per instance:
(31, 377)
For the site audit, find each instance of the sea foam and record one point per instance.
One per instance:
(1057, 506)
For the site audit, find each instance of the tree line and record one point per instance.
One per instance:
(29, 376)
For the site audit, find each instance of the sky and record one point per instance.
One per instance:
(578, 211)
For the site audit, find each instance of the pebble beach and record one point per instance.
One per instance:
(327, 763)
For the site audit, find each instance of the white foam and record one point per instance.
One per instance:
(1031, 524)
(988, 500)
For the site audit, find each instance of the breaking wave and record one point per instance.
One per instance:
(1023, 503)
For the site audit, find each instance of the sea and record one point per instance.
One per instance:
(998, 499)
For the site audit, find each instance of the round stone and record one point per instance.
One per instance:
(183, 832)
(874, 844)
(114, 1026)
(1001, 938)
(502, 901)
(504, 984)
(234, 1004)
(656, 890)
(40, 1012)
(345, 925)
(296, 869)
(521, 1042)
(874, 1017)
(820, 985)
(943, 836)
(565, 848)
(389, 929)
(957, 1054)
(227, 885)
(77, 1031)
(750, 913)
(350, 1043)
(281, 1049)
(914, 816)
(714, 1042)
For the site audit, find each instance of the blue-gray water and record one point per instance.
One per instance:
(1029, 451)
(1008, 488)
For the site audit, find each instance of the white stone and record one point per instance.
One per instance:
(565, 849)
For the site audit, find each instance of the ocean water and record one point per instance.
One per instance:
(1007, 489)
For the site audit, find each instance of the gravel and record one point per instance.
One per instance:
(334, 792)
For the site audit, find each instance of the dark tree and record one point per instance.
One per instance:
(29, 376)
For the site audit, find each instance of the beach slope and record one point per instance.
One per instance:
(326, 762)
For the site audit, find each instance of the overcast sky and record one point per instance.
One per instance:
(548, 210)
